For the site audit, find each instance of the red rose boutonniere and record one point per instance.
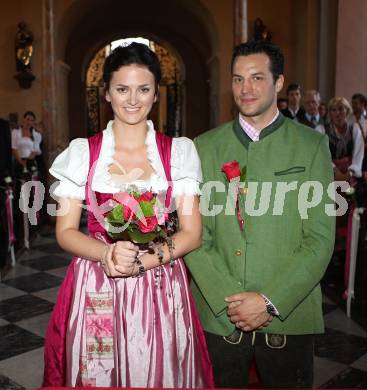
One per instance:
(233, 173)
(232, 170)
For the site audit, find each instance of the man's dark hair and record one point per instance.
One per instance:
(293, 87)
(274, 53)
(134, 53)
(360, 97)
(30, 113)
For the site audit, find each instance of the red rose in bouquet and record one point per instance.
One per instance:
(128, 213)
(232, 170)
(148, 224)
(146, 197)
(129, 205)
(138, 217)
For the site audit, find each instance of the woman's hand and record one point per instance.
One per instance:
(124, 258)
(108, 265)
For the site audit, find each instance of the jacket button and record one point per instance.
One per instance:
(238, 252)
(243, 190)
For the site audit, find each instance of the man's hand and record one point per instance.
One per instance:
(247, 311)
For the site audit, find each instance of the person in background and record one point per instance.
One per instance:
(345, 141)
(294, 109)
(25, 143)
(359, 114)
(359, 117)
(312, 118)
(323, 111)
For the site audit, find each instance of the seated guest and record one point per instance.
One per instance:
(312, 117)
(294, 110)
(345, 141)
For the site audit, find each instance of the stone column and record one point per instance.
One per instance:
(328, 16)
(241, 25)
(62, 99)
(351, 53)
(49, 80)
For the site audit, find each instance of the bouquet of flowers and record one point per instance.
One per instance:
(140, 218)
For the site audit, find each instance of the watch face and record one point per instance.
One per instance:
(270, 309)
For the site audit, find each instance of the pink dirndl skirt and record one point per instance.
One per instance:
(127, 332)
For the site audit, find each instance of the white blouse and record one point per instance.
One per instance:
(72, 165)
(25, 145)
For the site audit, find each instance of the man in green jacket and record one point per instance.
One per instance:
(267, 237)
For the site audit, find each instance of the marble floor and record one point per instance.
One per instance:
(28, 292)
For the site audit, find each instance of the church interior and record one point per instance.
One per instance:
(53, 53)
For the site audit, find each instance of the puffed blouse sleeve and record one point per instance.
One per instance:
(71, 169)
(185, 168)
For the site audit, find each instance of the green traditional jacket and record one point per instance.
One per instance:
(278, 253)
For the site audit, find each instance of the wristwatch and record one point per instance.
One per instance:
(270, 308)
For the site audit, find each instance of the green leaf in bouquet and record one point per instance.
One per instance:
(147, 208)
(138, 237)
(116, 215)
(120, 236)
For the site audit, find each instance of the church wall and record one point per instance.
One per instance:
(351, 57)
(12, 97)
(224, 18)
(293, 26)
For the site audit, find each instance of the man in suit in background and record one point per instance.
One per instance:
(294, 110)
(312, 116)
(359, 113)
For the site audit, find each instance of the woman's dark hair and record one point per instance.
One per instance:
(134, 53)
(30, 113)
(274, 53)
